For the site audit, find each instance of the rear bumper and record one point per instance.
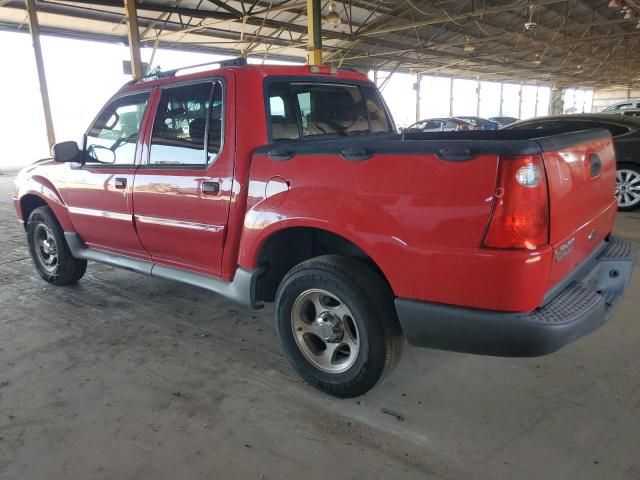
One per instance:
(581, 307)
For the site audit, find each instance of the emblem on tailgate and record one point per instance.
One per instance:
(564, 249)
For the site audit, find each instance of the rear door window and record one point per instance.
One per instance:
(188, 117)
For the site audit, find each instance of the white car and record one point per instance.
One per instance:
(626, 105)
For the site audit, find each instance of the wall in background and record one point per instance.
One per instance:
(605, 97)
(441, 96)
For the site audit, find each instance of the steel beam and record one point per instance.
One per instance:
(134, 38)
(418, 80)
(34, 26)
(314, 32)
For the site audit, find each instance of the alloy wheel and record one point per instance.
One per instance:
(325, 331)
(627, 188)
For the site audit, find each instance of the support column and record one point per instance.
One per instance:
(418, 80)
(557, 102)
(520, 102)
(478, 90)
(34, 26)
(314, 32)
(134, 38)
(451, 96)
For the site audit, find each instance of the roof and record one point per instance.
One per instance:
(565, 42)
(260, 71)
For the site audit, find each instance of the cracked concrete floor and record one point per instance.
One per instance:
(129, 377)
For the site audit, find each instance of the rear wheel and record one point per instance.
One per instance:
(337, 324)
(49, 251)
(628, 187)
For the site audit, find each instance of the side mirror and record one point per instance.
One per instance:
(101, 154)
(66, 152)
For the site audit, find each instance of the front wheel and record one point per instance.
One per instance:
(49, 251)
(337, 324)
(628, 187)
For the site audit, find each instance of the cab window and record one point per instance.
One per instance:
(314, 110)
(116, 129)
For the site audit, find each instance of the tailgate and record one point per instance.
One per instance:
(581, 170)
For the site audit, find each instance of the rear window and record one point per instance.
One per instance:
(312, 110)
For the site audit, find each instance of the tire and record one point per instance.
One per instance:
(339, 305)
(49, 250)
(628, 187)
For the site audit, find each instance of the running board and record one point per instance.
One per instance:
(241, 290)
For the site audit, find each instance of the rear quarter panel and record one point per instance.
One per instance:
(421, 219)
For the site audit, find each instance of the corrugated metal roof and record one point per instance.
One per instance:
(584, 43)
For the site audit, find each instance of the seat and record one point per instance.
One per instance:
(197, 128)
(283, 129)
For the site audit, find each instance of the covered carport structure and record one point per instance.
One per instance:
(125, 376)
(561, 43)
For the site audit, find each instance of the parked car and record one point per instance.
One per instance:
(628, 112)
(289, 184)
(626, 140)
(480, 123)
(624, 105)
(504, 121)
(439, 125)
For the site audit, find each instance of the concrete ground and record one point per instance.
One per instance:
(129, 377)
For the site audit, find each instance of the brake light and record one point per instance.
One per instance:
(520, 212)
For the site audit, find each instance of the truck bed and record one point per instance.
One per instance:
(431, 194)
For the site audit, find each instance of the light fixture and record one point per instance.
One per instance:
(469, 46)
(615, 4)
(628, 14)
(332, 17)
(538, 59)
(530, 26)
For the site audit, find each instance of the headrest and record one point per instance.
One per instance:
(197, 128)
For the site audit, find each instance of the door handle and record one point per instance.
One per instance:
(280, 155)
(210, 188)
(121, 183)
(355, 154)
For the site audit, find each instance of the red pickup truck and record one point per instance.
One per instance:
(289, 184)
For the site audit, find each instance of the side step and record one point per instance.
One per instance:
(241, 290)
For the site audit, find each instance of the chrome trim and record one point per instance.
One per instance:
(166, 222)
(92, 212)
(242, 289)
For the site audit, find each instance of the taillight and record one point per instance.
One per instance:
(520, 212)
